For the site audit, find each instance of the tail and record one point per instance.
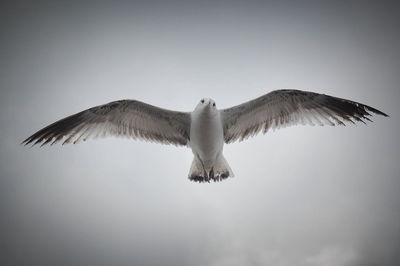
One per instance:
(218, 172)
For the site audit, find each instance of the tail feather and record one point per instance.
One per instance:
(218, 172)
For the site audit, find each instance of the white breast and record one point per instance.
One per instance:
(206, 136)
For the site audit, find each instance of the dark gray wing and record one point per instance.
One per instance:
(289, 107)
(120, 118)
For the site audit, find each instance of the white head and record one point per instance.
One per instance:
(207, 106)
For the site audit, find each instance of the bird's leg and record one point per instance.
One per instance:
(205, 177)
(211, 174)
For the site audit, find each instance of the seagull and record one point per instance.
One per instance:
(206, 129)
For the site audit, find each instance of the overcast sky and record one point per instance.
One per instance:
(322, 196)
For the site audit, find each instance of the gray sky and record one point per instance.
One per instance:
(326, 196)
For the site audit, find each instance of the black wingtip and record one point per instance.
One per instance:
(386, 115)
(379, 113)
(25, 142)
(376, 111)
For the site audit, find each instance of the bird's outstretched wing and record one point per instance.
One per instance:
(282, 108)
(128, 118)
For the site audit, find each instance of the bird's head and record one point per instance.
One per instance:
(207, 105)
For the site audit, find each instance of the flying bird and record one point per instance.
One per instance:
(206, 129)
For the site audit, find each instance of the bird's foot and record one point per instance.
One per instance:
(220, 176)
(216, 177)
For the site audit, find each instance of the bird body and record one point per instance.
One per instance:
(206, 129)
(206, 142)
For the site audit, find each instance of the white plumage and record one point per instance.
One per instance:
(206, 129)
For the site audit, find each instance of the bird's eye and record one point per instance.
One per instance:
(214, 104)
(202, 101)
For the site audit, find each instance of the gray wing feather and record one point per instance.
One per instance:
(127, 118)
(282, 108)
